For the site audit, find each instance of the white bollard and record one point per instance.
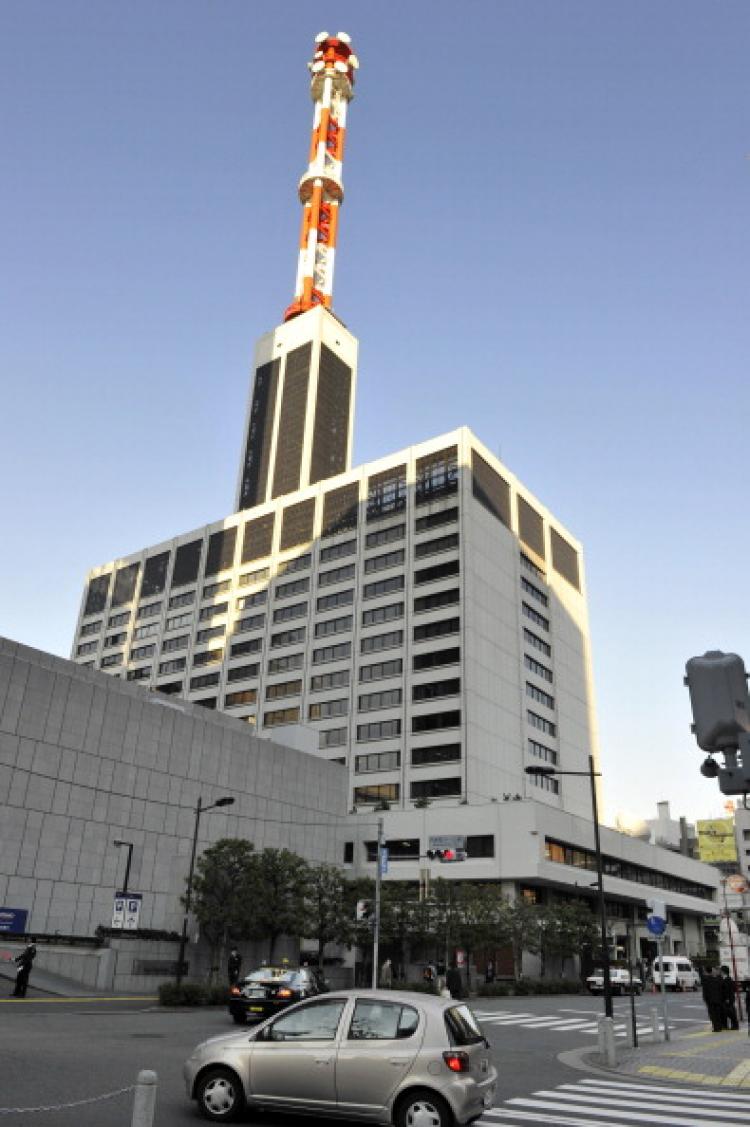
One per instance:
(656, 1032)
(606, 1034)
(144, 1101)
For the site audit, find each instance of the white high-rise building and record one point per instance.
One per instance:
(424, 613)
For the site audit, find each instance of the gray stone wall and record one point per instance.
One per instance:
(86, 758)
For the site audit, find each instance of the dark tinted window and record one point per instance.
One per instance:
(186, 562)
(437, 475)
(292, 421)
(331, 434)
(297, 524)
(259, 435)
(530, 527)
(340, 511)
(125, 581)
(490, 489)
(155, 574)
(220, 555)
(96, 596)
(463, 1027)
(565, 560)
(257, 539)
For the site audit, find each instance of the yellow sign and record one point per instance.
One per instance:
(716, 840)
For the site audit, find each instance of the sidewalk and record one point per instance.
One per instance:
(44, 983)
(697, 1056)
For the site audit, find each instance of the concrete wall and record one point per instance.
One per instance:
(86, 758)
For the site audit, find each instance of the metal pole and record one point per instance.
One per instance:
(631, 945)
(376, 921)
(127, 867)
(607, 978)
(183, 937)
(660, 945)
(731, 948)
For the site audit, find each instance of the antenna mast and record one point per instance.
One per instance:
(321, 191)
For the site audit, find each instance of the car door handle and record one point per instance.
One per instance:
(323, 1060)
(399, 1060)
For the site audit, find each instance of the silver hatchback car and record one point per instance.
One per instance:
(389, 1056)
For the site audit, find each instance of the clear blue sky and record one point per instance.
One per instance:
(545, 237)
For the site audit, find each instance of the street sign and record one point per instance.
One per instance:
(656, 925)
(448, 841)
(126, 910)
(13, 919)
(736, 883)
(383, 860)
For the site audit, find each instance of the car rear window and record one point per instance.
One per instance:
(463, 1027)
(272, 974)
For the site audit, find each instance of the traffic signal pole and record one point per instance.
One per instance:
(376, 921)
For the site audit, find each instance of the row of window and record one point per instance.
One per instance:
(418, 788)
(420, 757)
(387, 494)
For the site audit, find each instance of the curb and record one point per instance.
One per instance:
(586, 1059)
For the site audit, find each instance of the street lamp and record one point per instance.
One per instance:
(200, 809)
(592, 775)
(129, 847)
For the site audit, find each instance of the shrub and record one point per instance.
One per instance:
(494, 989)
(191, 994)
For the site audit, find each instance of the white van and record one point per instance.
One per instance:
(679, 973)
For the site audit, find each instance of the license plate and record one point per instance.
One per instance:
(256, 1009)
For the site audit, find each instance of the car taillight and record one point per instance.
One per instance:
(235, 990)
(457, 1062)
(284, 992)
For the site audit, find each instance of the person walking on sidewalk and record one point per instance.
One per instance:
(729, 998)
(713, 996)
(24, 962)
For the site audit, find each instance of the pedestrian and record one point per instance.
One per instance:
(729, 998)
(24, 962)
(489, 971)
(713, 996)
(386, 974)
(233, 966)
(453, 981)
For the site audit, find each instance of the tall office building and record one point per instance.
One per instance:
(424, 613)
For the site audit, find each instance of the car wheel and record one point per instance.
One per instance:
(422, 1108)
(220, 1096)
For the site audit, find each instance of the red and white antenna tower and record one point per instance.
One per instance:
(321, 191)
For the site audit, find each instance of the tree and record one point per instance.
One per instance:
(520, 922)
(328, 908)
(222, 875)
(276, 901)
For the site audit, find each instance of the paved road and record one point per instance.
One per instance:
(54, 1052)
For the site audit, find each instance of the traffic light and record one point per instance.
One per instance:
(717, 683)
(447, 856)
(364, 911)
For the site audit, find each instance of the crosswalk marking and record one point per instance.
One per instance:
(503, 1018)
(614, 1103)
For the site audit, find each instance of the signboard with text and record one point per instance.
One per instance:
(126, 910)
(14, 920)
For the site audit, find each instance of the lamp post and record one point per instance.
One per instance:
(592, 775)
(200, 809)
(129, 846)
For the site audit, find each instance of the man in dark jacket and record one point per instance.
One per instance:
(453, 981)
(729, 998)
(24, 962)
(713, 996)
